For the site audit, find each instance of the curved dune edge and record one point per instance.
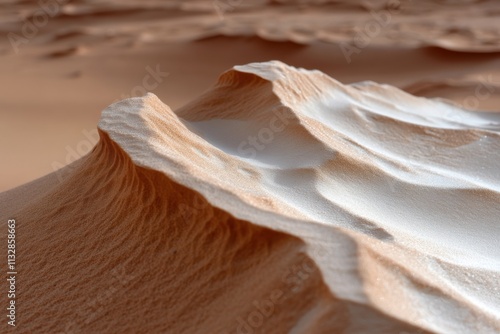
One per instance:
(165, 198)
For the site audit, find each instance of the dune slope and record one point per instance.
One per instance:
(278, 201)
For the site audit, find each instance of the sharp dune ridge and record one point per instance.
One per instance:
(323, 207)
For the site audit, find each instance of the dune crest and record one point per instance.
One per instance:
(278, 201)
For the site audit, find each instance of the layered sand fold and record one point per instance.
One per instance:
(279, 201)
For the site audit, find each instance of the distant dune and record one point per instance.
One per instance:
(278, 201)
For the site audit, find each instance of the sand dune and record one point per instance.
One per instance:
(278, 201)
(54, 58)
(470, 26)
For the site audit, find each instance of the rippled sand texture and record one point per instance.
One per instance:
(362, 209)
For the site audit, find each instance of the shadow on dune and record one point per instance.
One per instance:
(120, 248)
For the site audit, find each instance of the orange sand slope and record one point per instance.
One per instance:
(279, 201)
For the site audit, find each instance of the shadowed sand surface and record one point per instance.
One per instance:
(357, 209)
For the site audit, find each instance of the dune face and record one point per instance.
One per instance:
(279, 201)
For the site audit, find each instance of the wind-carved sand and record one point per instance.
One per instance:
(279, 201)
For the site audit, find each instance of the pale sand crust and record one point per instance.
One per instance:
(333, 228)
